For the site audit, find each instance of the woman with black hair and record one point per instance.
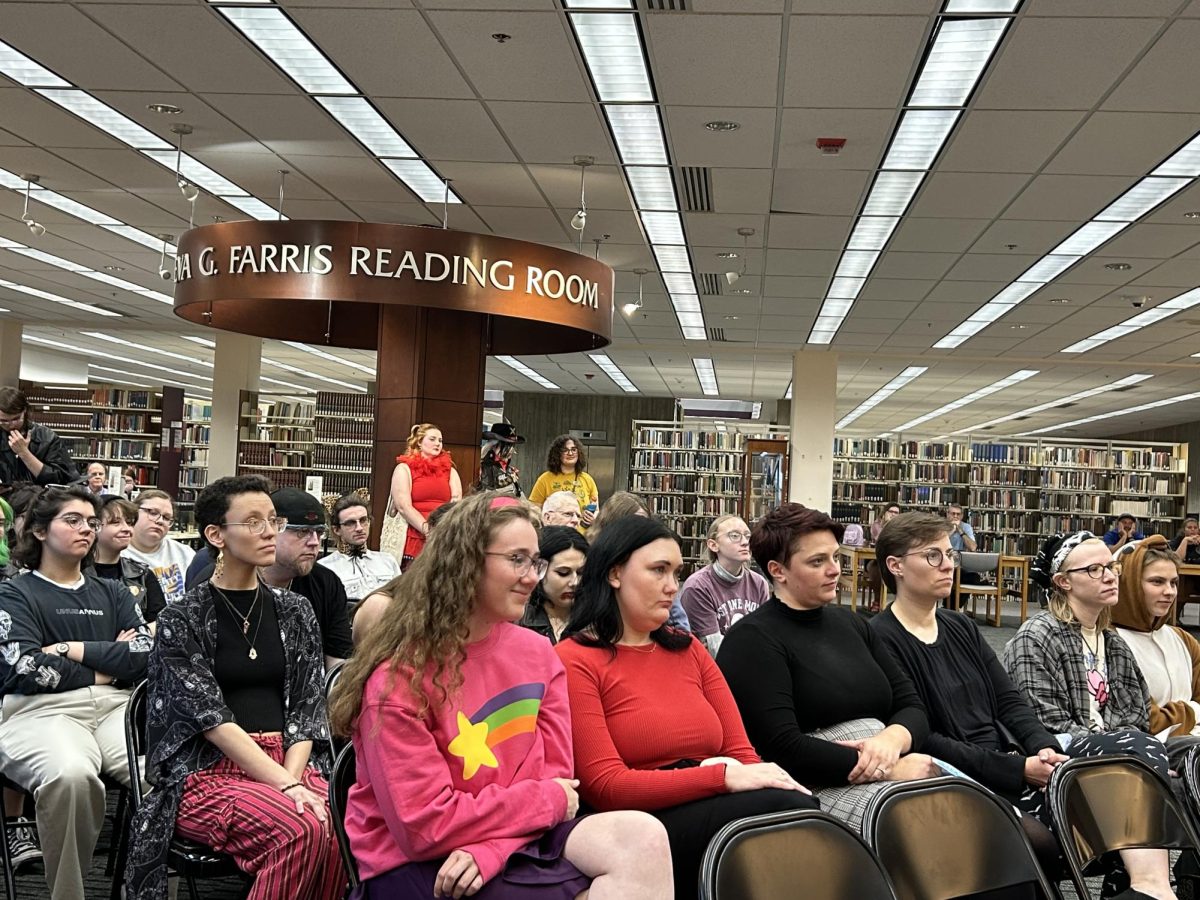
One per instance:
(566, 470)
(235, 718)
(117, 517)
(653, 723)
(565, 551)
(70, 646)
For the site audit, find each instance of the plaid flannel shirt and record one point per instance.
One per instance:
(1045, 660)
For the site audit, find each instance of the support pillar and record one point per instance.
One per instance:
(10, 352)
(430, 368)
(812, 417)
(237, 362)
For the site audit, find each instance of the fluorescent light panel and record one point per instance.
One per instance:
(373, 131)
(104, 277)
(104, 117)
(289, 48)
(421, 180)
(56, 298)
(919, 138)
(612, 48)
(882, 394)
(653, 188)
(145, 348)
(960, 52)
(514, 363)
(23, 70)
(82, 351)
(637, 132)
(707, 376)
(613, 371)
(306, 374)
(1165, 310)
(1127, 381)
(1015, 378)
(329, 356)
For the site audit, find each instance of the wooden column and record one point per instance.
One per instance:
(430, 368)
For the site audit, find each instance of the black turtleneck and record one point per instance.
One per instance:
(796, 671)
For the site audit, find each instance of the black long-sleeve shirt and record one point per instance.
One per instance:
(797, 671)
(58, 467)
(969, 699)
(35, 613)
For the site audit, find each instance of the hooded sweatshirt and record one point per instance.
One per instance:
(1168, 656)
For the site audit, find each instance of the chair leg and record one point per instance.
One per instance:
(193, 889)
(118, 830)
(121, 843)
(10, 884)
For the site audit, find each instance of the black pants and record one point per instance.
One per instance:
(690, 826)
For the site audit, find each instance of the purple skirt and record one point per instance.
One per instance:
(537, 870)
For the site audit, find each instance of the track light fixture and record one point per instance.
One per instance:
(732, 277)
(190, 191)
(579, 220)
(36, 228)
(165, 271)
(630, 308)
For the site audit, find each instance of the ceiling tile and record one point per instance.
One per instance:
(966, 196)
(1171, 61)
(701, 55)
(448, 129)
(578, 131)
(750, 146)
(1006, 140)
(1126, 143)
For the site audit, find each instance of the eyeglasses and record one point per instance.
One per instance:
(156, 516)
(355, 523)
(934, 556)
(77, 521)
(259, 526)
(523, 562)
(304, 531)
(570, 449)
(737, 537)
(1096, 570)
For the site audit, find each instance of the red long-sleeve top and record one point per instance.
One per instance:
(646, 708)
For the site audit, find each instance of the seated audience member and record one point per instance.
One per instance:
(618, 506)
(117, 517)
(94, 478)
(167, 558)
(725, 590)
(369, 611)
(976, 714)
(295, 569)
(1187, 545)
(658, 731)
(549, 607)
(1080, 676)
(561, 508)
(1123, 531)
(820, 695)
(236, 728)
(129, 483)
(874, 578)
(72, 644)
(1167, 656)
(30, 452)
(361, 571)
(463, 737)
(200, 567)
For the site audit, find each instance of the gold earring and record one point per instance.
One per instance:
(219, 568)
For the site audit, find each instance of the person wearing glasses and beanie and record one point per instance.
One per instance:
(70, 647)
(1083, 682)
(167, 558)
(237, 742)
(362, 571)
(30, 452)
(722, 592)
(462, 733)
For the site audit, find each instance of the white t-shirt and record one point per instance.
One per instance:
(1096, 667)
(362, 577)
(169, 563)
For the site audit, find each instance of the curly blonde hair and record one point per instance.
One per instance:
(424, 631)
(417, 434)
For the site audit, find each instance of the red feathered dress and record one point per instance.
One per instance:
(430, 489)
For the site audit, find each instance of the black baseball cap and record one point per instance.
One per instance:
(301, 509)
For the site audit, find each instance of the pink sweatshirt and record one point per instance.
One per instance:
(472, 774)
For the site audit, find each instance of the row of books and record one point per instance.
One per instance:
(331, 403)
(267, 455)
(110, 421)
(686, 461)
(354, 431)
(687, 482)
(689, 440)
(335, 456)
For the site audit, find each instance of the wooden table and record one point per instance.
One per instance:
(1187, 572)
(855, 558)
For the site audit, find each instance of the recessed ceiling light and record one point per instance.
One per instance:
(1017, 327)
(1193, 214)
(1118, 267)
(731, 318)
(1060, 299)
(114, 268)
(722, 125)
(727, 256)
(166, 109)
(741, 291)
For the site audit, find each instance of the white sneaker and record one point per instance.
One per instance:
(23, 849)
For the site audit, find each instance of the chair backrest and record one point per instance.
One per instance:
(765, 857)
(345, 771)
(949, 837)
(336, 742)
(1116, 802)
(1189, 772)
(135, 741)
(980, 562)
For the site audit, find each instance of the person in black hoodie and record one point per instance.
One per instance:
(70, 645)
(30, 452)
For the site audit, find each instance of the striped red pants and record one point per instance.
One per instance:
(290, 856)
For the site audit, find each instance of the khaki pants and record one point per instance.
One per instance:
(56, 746)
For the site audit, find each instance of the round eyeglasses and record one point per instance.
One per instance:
(77, 521)
(1096, 570)
(523, 562)
(935, 555)
(259, 526)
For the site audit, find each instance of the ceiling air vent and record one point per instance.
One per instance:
(711, 284)
(717, 334)
(697, 188)
(667, 5)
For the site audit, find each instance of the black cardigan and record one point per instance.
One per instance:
(796, 671)
(994, 703)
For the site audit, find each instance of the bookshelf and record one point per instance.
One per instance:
(343, 442)
(193, 465)
(101, 423)
(1015, 491)
(275, 438)
(691, 473)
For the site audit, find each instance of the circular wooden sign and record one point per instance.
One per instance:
(324, 281)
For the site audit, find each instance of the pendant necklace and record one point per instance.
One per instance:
(245, 620)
